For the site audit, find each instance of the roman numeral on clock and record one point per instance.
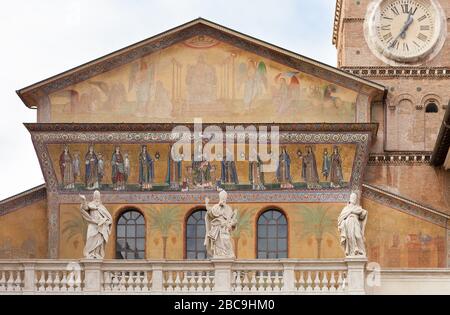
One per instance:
(407, 10)
(395, 10)
(425, 27)
(423, 17)
(386, 27)
(422, 37)
(405, 47)
(387, 36)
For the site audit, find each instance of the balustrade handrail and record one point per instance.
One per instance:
(288, 276)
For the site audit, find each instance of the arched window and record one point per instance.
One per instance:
(272, 235)
(130, 242)
(432, 107)
(195, 235)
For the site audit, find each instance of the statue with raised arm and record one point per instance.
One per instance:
(220, 221)
(99, 226)
(352, 225)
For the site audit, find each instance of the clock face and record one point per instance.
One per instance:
(405, 30)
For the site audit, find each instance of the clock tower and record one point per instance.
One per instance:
(404, 45)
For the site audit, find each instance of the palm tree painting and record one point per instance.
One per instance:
(243, 226)
(74, 226)
(317, 222)
(165, 221)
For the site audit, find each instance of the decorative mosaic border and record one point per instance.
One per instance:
(22, 200)
(406, 206)
(400, 158)
(41, 141)
(399, 72)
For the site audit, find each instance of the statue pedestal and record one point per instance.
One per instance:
(92, 275)
(223, 275)
(356, 275)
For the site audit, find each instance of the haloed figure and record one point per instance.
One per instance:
(66, 166)
(146, 169)
(100, 169)
(337, 178)
(284, 170)
(91, 167)
(118, 170)
(256, 173)
(309, 170)
(326, 165)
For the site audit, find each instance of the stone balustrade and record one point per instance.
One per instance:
(256, 277)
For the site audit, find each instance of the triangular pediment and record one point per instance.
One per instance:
(201, 69)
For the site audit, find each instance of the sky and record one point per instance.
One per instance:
(43, 38)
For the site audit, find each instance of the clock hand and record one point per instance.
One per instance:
(402, 33)
(407, 25)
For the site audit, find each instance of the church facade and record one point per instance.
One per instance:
(377, 126)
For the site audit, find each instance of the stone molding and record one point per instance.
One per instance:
(23, 200)
(405, 205)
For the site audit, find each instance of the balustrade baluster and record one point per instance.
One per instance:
(333, 282)
(130, 284)
(64, 282)
(41, 283)
(309, 283)
(301, 283)
(2, 281)
(57, 282)
(170, 283)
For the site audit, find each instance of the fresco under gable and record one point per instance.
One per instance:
(203, 77)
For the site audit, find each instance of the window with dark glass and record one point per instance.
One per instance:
(130, 242)
(272, 235)
(432, 108)
(195, 235)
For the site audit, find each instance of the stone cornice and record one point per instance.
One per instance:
(23, 200)
(405, 205)
(400, 72)
(167, 127)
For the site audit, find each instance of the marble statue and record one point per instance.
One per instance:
(99, 222)
(220, 221)
(352, 224)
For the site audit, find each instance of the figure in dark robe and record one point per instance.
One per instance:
(256, 174)
(66, 167)
(326, 165)
(146, 169)
(91, 169)
(174, 172)
(229, 173)
(284, 170)
(201, 172)
(336, 176)
(309, 170)
(118, 170)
